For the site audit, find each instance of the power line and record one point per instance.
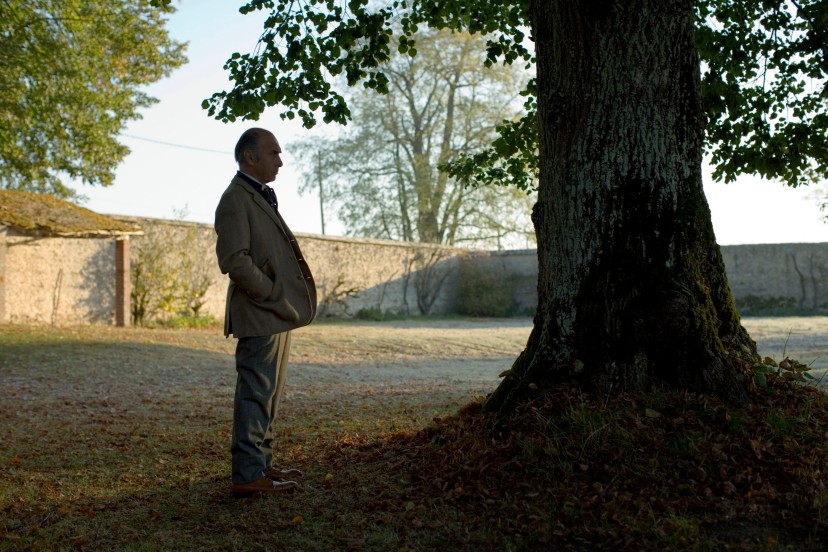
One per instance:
(175, 145)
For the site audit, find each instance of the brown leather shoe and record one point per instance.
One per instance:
(262, 486)
(277, 474)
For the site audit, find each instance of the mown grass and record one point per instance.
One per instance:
(117, 440)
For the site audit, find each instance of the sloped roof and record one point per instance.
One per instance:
(45, 215)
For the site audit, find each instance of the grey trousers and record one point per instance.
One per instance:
(261, 364)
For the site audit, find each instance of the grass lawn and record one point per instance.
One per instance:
(117, 439)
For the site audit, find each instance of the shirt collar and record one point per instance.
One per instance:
(250, 179)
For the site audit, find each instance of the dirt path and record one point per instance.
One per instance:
(802, 338)
(438, 364)
(472, 353)
(365, 342)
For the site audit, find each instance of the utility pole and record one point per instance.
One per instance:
(321, 190)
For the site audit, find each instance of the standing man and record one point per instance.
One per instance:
(271, 292)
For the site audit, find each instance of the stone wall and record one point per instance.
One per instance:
(49, 280)
(72, 280)
(352, 274)
(765, 279)
(776, 278)
(4, 316)
(517, 269)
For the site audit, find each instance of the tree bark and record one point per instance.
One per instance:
(632, 291)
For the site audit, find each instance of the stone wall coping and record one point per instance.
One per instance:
(324, 237)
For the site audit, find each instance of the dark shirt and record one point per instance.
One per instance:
(266, 191)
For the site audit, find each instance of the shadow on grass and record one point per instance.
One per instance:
(124, 445)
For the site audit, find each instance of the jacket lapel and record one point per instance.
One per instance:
(260, 202)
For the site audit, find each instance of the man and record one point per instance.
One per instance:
(271, 292)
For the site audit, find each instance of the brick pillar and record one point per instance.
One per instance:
(4, 315)
(122, 283)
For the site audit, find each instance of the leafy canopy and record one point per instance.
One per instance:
(764, 87)
(763, 75)
(70, 78)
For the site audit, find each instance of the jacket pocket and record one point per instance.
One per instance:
(268, 269)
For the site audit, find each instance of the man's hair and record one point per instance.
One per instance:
(249, 141)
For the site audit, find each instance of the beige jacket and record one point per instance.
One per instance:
(271, 287)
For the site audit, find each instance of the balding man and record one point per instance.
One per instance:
(271, 292)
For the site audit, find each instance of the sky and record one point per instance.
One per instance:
(181, 160)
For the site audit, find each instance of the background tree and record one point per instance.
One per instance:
(632, 288)
(70, 79)
(382, 171)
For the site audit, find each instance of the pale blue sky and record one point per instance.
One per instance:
(158, 180)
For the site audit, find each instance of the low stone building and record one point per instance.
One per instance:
(60, 263)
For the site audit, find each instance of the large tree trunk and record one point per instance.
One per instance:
(632, 291)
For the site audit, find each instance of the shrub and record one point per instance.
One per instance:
(482, 293)
(191, 321)
(372, 313)
(171, 271)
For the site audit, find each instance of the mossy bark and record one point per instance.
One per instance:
(632, 287)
